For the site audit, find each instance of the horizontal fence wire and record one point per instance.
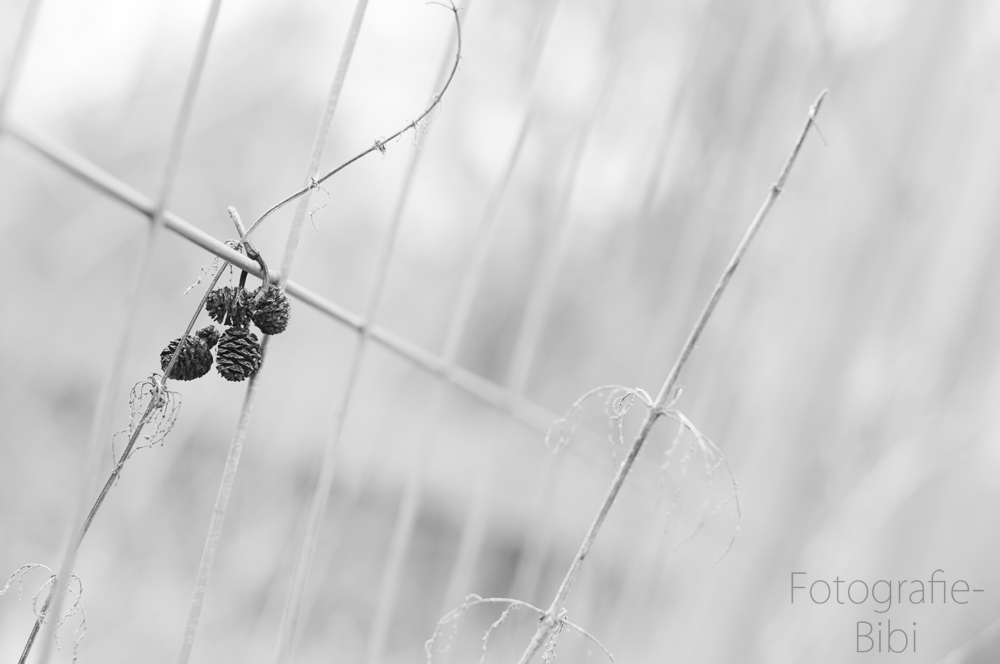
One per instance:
(508, 400)
(529, 413)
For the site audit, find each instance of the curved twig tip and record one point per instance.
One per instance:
(379, 145)
(814, 109)
(450, 6)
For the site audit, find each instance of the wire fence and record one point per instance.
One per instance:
(508, 399)
(417, 471)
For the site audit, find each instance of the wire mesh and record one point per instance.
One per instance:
(452, 310)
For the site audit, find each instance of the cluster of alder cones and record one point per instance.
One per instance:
(239, 355)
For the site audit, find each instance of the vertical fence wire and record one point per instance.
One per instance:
(543, 290)
(221, 507)
(637, 582)
(291, 624)
(321, 495)
(403, 527)
(529, 336)
(288, 257)
(211, 546)
(14, 70)
(487, 226)
(529, 566)
(409, 507)
(319, 144)
(473, 529)
(528, 570)
(295, 231)
(101, 424)
(16, 65)
(692, 246)
(402, 534)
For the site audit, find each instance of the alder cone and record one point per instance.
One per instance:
(269, 309)
(239, 354)
(194, 360)
(209, 335)
(228, 306)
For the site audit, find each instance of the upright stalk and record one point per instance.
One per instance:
(551, 620)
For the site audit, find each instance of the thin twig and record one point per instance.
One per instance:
(289, 619)
(211, 546)
(207, 562)
(154, 403)
(474, 600)
(151, 409)
(36, 627)
(474, 524)
(105, 407)
(546, 279)
(550, 620)
(487, 226)
(321, 493)
(379, 145)
(409, 508)
(76, 606)
(543, 290)
(319, 142)
(490, 393)
(402, 533)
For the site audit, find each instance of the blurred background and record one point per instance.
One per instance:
(586, 179)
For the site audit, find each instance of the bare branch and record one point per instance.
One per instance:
(549, 622)
(378, 145)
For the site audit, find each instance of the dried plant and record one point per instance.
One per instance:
(74, 588)
(618, 400)
(450, 620)
(153, 408)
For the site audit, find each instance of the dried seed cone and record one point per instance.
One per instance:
(238, 354)
(217, 304)
(209, 335)
(269, 308)
(229, 306)
(194, 360)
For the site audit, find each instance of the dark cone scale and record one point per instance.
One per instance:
(217, 304)
(269, 309)
(238, 354)
(209, 335)
(194, 360)
(229, 306)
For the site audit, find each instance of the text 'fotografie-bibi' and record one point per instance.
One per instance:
(884, 594)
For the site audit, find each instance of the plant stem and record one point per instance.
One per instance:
(207, 562)
(379, 145)
(296, 599)
(37, 626)
(549, 620)
(105, 406)
(118, 466)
